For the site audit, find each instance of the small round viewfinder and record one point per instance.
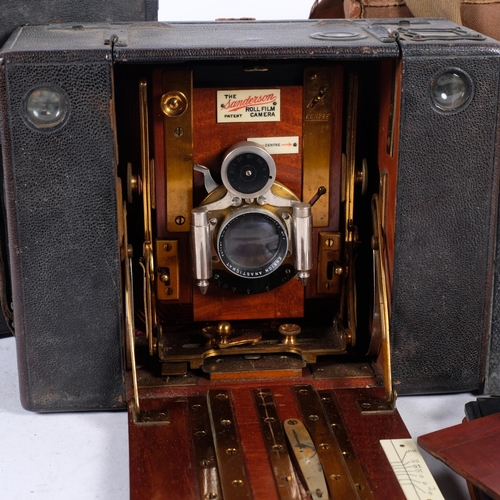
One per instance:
(451, 90)
(248, 170)
(45, 107)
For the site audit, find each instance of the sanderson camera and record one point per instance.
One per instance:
(226, 226)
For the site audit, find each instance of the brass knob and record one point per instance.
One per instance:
(224, 330)
(174, 103)
(290, 331)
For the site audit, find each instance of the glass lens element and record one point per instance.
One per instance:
(45, 107)
(252, 245)
(451, 90)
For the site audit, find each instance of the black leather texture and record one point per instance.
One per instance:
(445, 223)
(21, 13)
(62, 220)
(35, 12)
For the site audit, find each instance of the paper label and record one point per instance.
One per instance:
(278, 145)
(255, 105)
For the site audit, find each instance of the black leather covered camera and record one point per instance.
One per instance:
(240, 205)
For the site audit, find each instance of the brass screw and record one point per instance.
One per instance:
(180, 220)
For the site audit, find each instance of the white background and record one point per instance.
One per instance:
(210, 10)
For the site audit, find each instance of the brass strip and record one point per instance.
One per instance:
(204, 452)
(230, 461)
(391, 126)
(147, 251)
(177, 109)
(383, 200)
(129, 310)
(334, 419)
(378, 244)
(317, 139)
(274, 439)
(337, 475)
(349, 287)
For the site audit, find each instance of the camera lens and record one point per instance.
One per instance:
(248, 170)
(451, 90)
(45, 107)
(252, 244)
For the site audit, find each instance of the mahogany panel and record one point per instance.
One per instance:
(212, 139)
(365, 432)
(162, 456)
(286, 301)
(390, 109)
(471, 449)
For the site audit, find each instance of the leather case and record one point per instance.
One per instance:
(196, 426)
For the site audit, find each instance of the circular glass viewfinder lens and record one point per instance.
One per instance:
(45, 107)
(451, 90)
(252, 244)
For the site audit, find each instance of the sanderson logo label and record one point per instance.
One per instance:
(256, 105)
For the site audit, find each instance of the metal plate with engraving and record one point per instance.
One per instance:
(274, 439)
(316, 143)
(307, 458)
(340, 482)
(230, 461)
